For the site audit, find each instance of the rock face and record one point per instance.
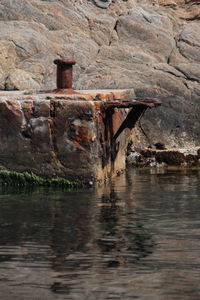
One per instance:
(150, 46)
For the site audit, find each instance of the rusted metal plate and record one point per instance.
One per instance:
(118, 103)
(138, 105)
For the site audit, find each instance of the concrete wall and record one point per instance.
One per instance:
(60, 135)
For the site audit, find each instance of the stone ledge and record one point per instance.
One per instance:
(183, 158)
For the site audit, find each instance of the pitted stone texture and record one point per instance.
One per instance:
(102, 4)
(189, 42)
(184, 9)
(8, 55)
(21, 80)
(134, 33)
(191, 71)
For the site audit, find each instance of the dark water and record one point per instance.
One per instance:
(136, 239)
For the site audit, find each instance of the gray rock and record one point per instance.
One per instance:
(190, 70)
(146, 36)
(21, 80)
(117, 44)
(189, 42)
(102, 3)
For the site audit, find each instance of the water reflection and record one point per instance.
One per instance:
(122, 235)
(90, 241)
(135, 239)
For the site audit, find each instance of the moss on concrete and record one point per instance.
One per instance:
(12, 178)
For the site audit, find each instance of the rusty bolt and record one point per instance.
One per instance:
(64, 73)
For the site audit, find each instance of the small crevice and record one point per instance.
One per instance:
(18, 46)
(53, 139)
(98, 52)
(114, 29)
(26, 132)
(188, 43)
(146, 19)
(169, 57)
(178, 48)
(52, 126)
(186, 75)
(52, 109)
(195, 2)
(6, 83)
(195, 18)
(170, 72)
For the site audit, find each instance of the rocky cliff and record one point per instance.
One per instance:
(150, 46)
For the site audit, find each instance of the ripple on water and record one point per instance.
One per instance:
(135, 239)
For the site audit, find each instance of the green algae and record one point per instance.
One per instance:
(12, 178)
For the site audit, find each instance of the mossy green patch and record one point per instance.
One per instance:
(12, 178)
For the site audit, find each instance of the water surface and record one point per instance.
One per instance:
(138, 238)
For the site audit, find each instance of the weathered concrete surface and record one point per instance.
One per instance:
(61, 135)
(150, 46)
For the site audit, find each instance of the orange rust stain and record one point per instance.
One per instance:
(82, 134)
(118, 118)
(101, 96)
(105, 97)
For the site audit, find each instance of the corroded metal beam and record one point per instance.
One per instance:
(138, 105)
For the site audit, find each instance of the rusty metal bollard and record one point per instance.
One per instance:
(64, 75)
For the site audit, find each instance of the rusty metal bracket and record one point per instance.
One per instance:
(137, 108)
(138, 105)
(130, 120)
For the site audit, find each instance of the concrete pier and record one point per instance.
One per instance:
(67, 135)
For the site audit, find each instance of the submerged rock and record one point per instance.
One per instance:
(185, 158)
